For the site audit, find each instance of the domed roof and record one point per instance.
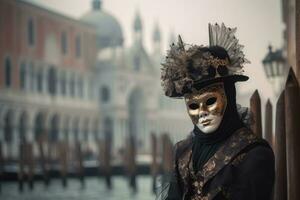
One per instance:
(109, 32)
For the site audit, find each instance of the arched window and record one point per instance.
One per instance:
(30, 32)
(108, 128)
(8, 127)
(78, 46)
(23, 76)
(104, 94)
(52, 81)
(72, 86)
(23, 127)
(80, 87)
(40, 81)
(54, 129)
(39, 127)
(64, 43)
(8, 73)
(76, 129)
(31, 73)
(63, 83)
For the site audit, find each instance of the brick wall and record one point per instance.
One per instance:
(14, 17)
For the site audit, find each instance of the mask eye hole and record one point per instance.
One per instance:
(193, 106)
(211, 101)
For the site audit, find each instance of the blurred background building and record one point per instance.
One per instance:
(70, 79)
(291, 20)
(128, 83)
(68, 74)
(47, 67)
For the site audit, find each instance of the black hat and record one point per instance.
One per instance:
(186, 70)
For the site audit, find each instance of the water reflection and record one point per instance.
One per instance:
(94, 189)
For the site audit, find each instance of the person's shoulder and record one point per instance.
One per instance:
(261, 149)
(258, 149)
(257, 141)
(183, 145)
(260, 152)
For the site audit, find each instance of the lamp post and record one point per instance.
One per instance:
(275, 69)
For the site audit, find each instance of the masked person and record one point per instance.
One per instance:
(221, 158)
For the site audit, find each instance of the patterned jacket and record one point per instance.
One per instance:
(243, 168)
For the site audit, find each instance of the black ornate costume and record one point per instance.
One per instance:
(241, 169)
(229, 161)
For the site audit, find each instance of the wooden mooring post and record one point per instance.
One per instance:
(131, 162)
(105, 160)
(44, 162)
(1, 166)
(26, 160)
(154, 164)
(80, 167)
(268, 133)
(167, 154)
(21, 163)
(63, 149)
(292, 120)
(30, 165)
(255, 108)
(280, 189)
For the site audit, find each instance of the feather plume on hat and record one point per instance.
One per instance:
(183, 68)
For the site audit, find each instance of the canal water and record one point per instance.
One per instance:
(94, 189)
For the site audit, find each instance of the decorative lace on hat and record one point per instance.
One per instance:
(186, 65)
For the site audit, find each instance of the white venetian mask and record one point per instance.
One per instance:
(206, 107)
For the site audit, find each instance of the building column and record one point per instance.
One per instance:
(57, 84)
(85, 88)
(30, 138)
(76, 88)
(29, 133)
(91, 91)
(67, 82)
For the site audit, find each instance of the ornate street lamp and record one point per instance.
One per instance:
(275, 68)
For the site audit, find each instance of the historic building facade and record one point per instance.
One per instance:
(130, 95)
(46, 71)
(73, 80)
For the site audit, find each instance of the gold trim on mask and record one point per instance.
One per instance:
(198, 101)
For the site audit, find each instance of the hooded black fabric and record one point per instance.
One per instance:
(205, 145)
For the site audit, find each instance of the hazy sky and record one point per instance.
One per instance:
(259, 24)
